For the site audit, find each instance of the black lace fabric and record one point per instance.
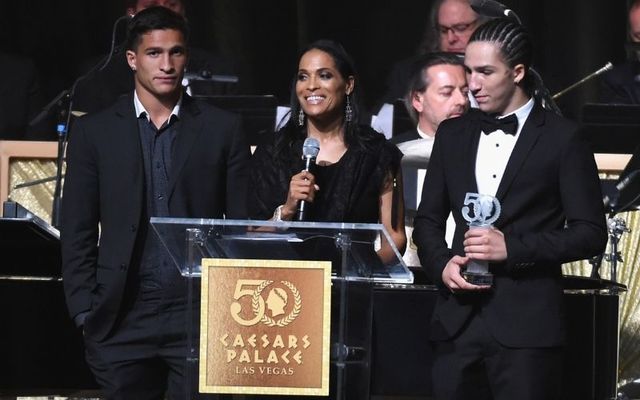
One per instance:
(349, 189)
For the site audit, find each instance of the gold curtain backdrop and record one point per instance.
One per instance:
(37, 198)
(627, 272)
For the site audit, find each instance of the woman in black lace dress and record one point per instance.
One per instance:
(356, 177)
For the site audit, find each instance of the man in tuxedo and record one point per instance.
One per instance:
(154, 153)
(505, 341)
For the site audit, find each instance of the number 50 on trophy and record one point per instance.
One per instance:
(480, 211)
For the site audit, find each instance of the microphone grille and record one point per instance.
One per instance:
(310, 148)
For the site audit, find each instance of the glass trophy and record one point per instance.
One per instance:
(480, 211)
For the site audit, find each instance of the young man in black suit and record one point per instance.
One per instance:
(505, 341)
(154, 153)
(102, 87)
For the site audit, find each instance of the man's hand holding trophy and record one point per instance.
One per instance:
(483, 243)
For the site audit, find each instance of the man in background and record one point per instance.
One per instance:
(21, 101)
(621, 85)
(448, 28)
(437, 91)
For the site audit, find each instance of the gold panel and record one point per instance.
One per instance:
(265, 327)
(628, 273)
(24, 162)
(37, 198)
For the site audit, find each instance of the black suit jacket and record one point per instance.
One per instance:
(405, 137)
(550, 179)
(105, 185)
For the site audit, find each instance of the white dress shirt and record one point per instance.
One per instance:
(494, 150)
(417, 151)
(140, 108)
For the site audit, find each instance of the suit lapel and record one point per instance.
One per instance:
(528, 137)
(469, 166)
(128, 142)
(189, 129)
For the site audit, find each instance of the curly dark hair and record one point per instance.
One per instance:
(513, 41)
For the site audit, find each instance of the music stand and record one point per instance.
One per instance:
(204, 83)
(258, 113)
(628, 198)
(611, 128)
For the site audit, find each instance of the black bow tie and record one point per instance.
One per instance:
(508, 124)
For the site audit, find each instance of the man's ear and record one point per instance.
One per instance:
(416, 101)
(131, 59)
(518, 73)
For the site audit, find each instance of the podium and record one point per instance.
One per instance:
(30, 246)
(355, 267)
(38, 339)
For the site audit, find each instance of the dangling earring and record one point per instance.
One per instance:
(348, 110)
(301, 118)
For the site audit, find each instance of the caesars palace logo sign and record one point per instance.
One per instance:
(264, 326)
(276, 301)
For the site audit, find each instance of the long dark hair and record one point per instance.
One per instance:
(291, 131)
(516, 47)
(514, 43)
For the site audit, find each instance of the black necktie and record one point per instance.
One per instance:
(508, 124)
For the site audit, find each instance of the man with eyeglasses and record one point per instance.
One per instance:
(455, 23)
(450, 24)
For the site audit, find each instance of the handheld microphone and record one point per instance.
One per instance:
(493, 9)
(310, 150)
(620, 186)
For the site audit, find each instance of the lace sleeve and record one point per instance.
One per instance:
(266, 190)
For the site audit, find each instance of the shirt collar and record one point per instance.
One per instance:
(422, 134)
(141, 111)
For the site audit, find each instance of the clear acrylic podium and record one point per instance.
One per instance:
(355, 267)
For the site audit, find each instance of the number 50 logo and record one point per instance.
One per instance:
(275, 303)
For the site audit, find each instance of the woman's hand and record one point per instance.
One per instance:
(302, 187)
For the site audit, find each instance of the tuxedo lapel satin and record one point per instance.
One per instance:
(190, 128)
(528, 137)
(469, 168)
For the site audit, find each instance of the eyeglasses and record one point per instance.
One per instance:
(457, 28)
